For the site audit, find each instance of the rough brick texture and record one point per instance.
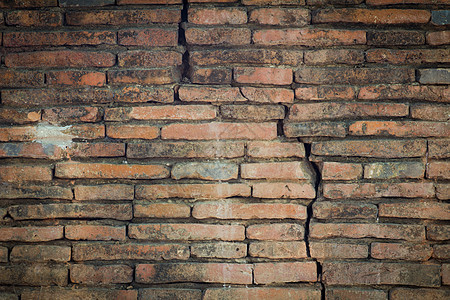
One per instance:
(224, 149)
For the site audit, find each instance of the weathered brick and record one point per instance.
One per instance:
(441, 251)
(218, 36)
(341, 171)
(309, 37)
(333, 129)
(17, 173)
(416, 210)
(275, 293)
(439, 148)
(295, 17)
(266, 273)
(334, 56)
(275, 149)
(430, 112)
(124, 2)
(210, 75)
(31, 233)
(283, 190)
(97, 275)
(325, 93)
(338, 210)
(10, 78)
(123, 17)
(194, 272)
(104, 192)
(217, 16)
(63, 115)
(54, 38)
(28, 3)
(205, 171)
(394, 170)
(191, 93)
(438, 232)
(170, 293)
(260, 75)
(416, 56)
(273, 2)
(334, 75)
(236, 210)
(277, 170)
(80, 293)
(85, 3)
(151, 37)
(161, 112)
(95, 232)
(406, 293)
(369, 273)
(276, 232)
(19, 116)
(125, 131)
(151, 59)
(138, 94)
(443, 191)
(35, 191)
(3, 254)
(389, 2)
(379, 148)
(338, 250)
(400, 251)
(219, 250)
(34, 275)
(71, 211)
(100, 170)
(76, 78)
(402, 92)
(434, 76)
(438, 38)
(161, 210)
(372, 16)
(186, 232)
(400, 128)
(218, 131)
(252, 112)
(216, 149)
(446, 275)
(440, 17)
(277, 250)
(362, 230)
(144, 77)
(393, 38)
(196, 191)
(129, 251)
(355, 294)
(268, 95)
(40, 253)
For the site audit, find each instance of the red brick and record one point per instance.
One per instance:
(416, 56)
(309, 37)
(246, 56)
(400, 128)
(443, 191)
(205, 171)
(379, 148)
(283, 190)
(430, 112)
(280, 16)
(334, 56)
(217, 16)
(400, 251)
(397, 37)
(266, 273)
(334, 75)
(276, 76)
(372, 16)
(17, 173)
(438, 232)
(9, 78)
(19, 116)
(28, 3)
(40, 253)
(101, 170)
(186, 232)
(85, 3)
(338, 250)
(341, 171)
(132, 132)
(76, 78)
(218, 36)
(219, 250)
(97, 275)
(63, 115)
(161, 112)
(218, 131)
(274, 293)
(161, 210)
(363, 230)
(278, 170)
(194, 272)
(273, 2)
(402, 92)
(144, 77)
(34, 275)
(70, 38)
(371, 273)
(277, 250)
(417, 210)
(151, 59)
(123, 17)
(325, 93)
(407, 293)
(338, 210)
(95, 232)
(216, 149)
(31, 233)
(138, 94)
(333, 110)
(193, 93)
(124, 2)
(71, 211)
(80, 293)
(235, 210)
(389, 2)
(170, 293)
(276, 232)
(275, 149)
(151, 37)
(61, 58)
(438, 169)
(35, 191)
(34, 18)
(394, 170)
(439, 148)
(355, 294)
(438, 38)
(210, 75)
(104, 192)
(196, 191)
(268, 95)
(129, 251)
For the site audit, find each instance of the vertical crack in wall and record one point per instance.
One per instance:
(185, 67)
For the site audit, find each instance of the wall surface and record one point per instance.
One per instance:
(253, 149)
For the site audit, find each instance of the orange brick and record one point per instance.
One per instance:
(217, 16)
(400, 251)
(163, 112)
(31, 233)
(372, 16)
(341, 171)
(76, 78)
(161, 210)
(276, 76)
(218, 36)
(276, 232)
(275, 149)
(266, 273)
(294, 17)
(283, 190)
(439, 170)
(17, 173)
(95, 232)
(415, 210)
(268, 95)
(400, 128)
(145, 132)
(278, 170)
(277, 250)
(262, 293)
(97, 275)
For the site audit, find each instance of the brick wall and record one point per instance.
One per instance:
(253, 149)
